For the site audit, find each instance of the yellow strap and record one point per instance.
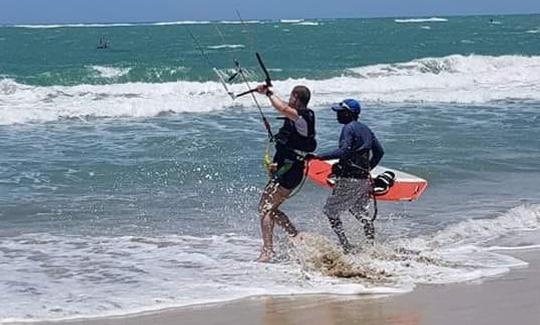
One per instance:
(266, 157)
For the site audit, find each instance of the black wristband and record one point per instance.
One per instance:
(269, 92)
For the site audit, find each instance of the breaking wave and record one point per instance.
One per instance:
(110, 72)
(291, 21)
(105, 25)
(460, 252)
(226, 46)
(99, 276)
(421, 20)
(473, 79)
(236, 22)
(74, 25)
(308, 23)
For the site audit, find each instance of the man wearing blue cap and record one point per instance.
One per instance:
(359, 151)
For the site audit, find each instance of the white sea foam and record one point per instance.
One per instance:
(22, 103)
(308, 23)
(85, 276)
(470, 79)
(110, 72)
(105, 25)
(101, 276)
(180, 22)
(426, 27)
(480, 231)
(9, 86)
(74, 25)
(451, 79)
(235, 22)
(299, 22)
(226, 46)
(514, 248)
(291, 21)
(421, 20)
(533, 31)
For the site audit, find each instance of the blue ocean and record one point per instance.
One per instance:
(129, 179)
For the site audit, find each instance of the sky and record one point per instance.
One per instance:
(100, 11)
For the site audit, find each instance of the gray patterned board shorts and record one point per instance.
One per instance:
(349, 194)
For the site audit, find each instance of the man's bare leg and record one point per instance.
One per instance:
(283, 221)
(267, 233)
(273, 196)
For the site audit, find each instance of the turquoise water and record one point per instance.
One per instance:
(129, 179)
(62, 56)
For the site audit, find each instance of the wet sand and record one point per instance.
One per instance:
(513, 298)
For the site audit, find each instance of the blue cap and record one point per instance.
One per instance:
(350, 104)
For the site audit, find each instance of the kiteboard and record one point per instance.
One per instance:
(396, 185)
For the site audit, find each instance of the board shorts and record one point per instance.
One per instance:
(290, 178)
(349, 194)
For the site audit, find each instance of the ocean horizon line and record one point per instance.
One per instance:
(237, 21)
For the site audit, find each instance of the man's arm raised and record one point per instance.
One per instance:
(282, 107)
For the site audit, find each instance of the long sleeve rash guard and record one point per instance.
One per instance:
(356, 136)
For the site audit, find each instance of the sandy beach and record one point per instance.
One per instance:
(511, 298)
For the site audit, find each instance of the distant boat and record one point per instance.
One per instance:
(103, 43)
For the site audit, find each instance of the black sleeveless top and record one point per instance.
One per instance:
(288, 140)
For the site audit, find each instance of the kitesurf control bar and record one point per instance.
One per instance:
(263, 67)
(267, 80)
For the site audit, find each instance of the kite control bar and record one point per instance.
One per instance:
(267, 80)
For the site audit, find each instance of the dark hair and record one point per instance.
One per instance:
(303, 94)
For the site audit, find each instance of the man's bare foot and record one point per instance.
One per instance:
(265, 257)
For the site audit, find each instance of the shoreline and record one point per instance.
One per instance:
(511, 297)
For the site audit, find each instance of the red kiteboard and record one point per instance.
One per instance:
(406, 187)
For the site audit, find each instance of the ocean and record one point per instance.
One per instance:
(129, 179)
